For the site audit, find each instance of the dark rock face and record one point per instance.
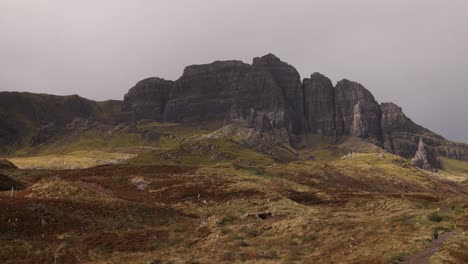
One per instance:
(148, 98)
(366, 122)
(288, 80)
(205, 92)
(268, 97)
(394, 120)
(400, 135)
(272, 123)
(30, 119)
(347, 95)
(319, 105)
(425, 158)
(265, 100)
(259, 90)
(266, 131)
(397, 131)
(453, 150)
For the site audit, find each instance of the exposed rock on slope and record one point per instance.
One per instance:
(347, 96)
(401, 135)
(288, 80)
(148, 98)
(265, 100)
(366, 120)
(205, 92)
(319, 105)
(425, 158)
(260, 128)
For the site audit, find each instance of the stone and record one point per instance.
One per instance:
(319, 104)
(366, 120)
(205, 92)
(264, 103)
(425, 159)
(288, 80)
(260, 129)
(148, 98)
(347, 95)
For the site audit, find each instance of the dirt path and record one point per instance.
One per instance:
(424, 256)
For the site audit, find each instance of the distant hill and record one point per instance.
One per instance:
(28, 119)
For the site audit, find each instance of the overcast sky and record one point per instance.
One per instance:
(411, 52)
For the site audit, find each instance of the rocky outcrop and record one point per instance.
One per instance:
(287, 78)
(425, 158)
(366, 121)
(265, 131)
(453, 150)
(319, 105)
(205, 92)
(148, 98)
(262, 124)
(347, 95)
(266, 100)
(400, 135)
(270, 88)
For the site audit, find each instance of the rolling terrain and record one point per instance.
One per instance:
(195, 199)
(230, 163)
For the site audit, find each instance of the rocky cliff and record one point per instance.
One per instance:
(266, 99)
(268, 95)
(319, 105)
(205, 92)
(148, 98)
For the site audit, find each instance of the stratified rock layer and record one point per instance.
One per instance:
(319, 105)
(348, 94)
(205, 92)
(268, 97)
(148, 98)
(266, 100)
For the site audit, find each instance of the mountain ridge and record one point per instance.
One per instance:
(267, 95)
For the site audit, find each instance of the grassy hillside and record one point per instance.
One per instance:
(168, 193)
(368, 206)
